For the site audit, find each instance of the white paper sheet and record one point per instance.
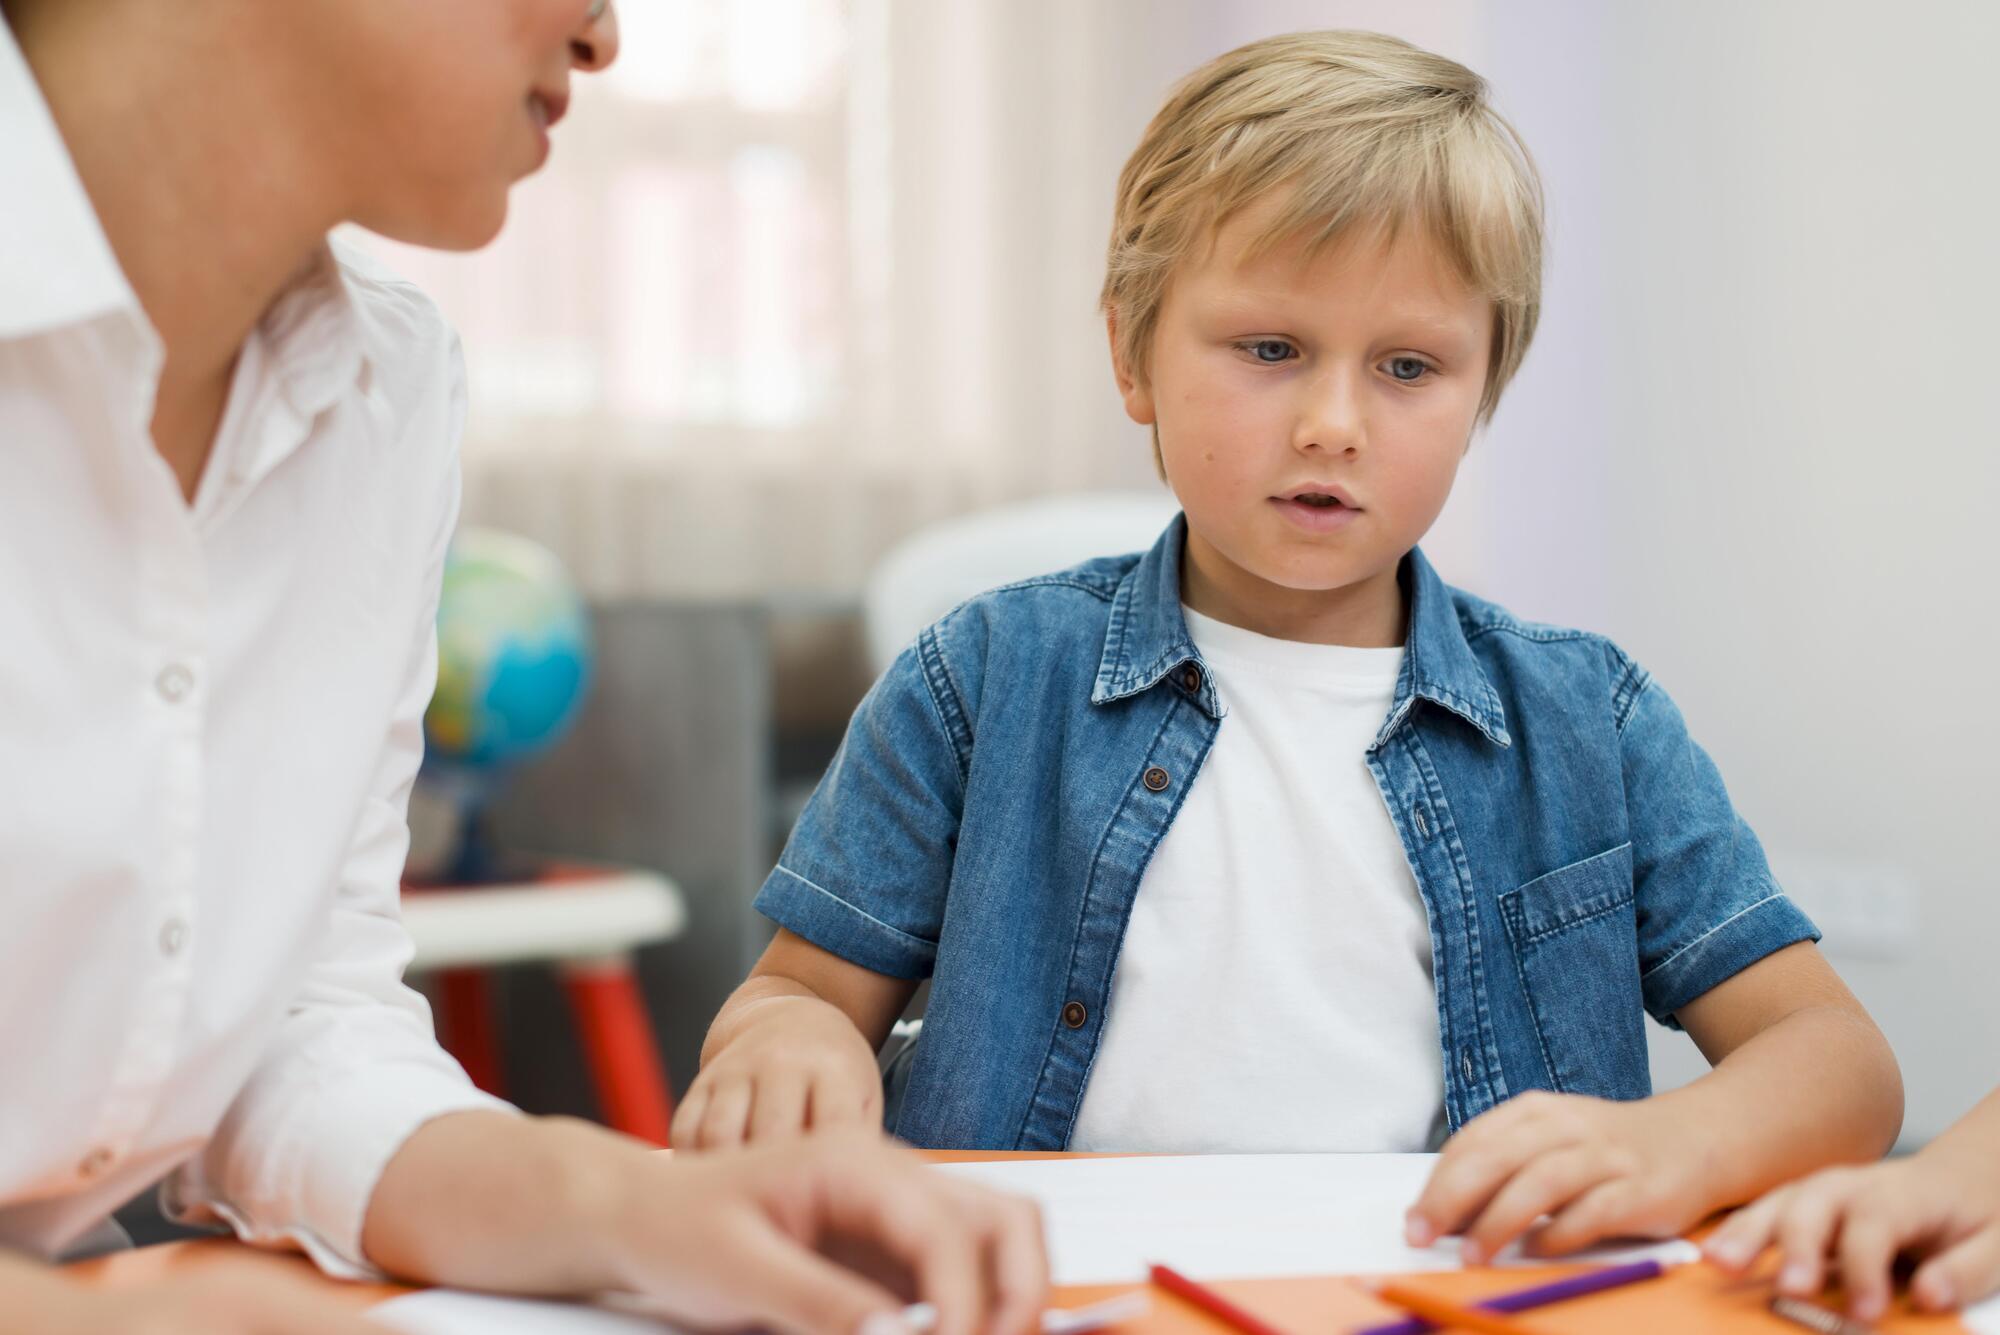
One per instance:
(1240, 1215)
(448, 1312)
(1983, 1319)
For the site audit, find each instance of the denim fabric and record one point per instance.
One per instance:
(992, 809)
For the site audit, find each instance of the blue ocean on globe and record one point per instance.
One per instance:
(514, 655)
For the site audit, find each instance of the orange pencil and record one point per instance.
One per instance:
(1441, 1313)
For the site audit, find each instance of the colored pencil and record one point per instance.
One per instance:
(1211, 1302)
(1541, 1295)
(1448, 1314)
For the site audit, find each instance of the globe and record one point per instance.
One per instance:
(514, 654)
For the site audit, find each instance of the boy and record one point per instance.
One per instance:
(1268, 839)
(228, 471)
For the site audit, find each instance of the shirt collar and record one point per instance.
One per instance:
(1147, 638)
(1438, 664)
(314, 335)
(56, 268)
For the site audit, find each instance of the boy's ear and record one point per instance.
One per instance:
(1137, 394)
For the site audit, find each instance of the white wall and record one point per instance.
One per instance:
(1758, 444)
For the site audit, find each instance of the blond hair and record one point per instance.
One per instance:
(1347, 130)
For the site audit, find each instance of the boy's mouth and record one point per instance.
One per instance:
(1323, 496)
(1318, 508)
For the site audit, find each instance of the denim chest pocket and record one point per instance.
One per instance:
(1575, 938)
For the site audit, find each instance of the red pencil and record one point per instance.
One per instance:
(1208, 1300)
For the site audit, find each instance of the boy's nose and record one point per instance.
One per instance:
(596, 43)
(1330, 419)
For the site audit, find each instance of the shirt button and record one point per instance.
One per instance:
(1156, 779)
(95, 1162)
(174, 683)
(172, 937)
(1074, 1015)
(1191, 678)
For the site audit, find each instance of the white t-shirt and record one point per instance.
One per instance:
(210, 716)
(1274, 990)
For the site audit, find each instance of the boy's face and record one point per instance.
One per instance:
(1312, 412)
(432, 111)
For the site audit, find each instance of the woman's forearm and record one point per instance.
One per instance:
(484, 1199)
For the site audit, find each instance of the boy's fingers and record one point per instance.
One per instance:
(727, 1118)
(1543, 1187)
(1465, 1179)
(1603, 1211)
(1745, 1235)
(1867, 1248)
(1806, 1234)
(778, 1107)
(1961, 1274)
(827, 1106)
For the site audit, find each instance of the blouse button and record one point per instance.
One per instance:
(174, 683)
(1156, 779)
(1074, 1015)
(1191, 678)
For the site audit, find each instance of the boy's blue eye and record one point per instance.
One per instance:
(1407, 369)
(1270, 351)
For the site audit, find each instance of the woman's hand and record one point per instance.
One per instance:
(827, 1236)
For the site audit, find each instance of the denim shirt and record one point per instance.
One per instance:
(999, 792)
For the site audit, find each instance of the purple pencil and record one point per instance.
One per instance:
(1576, 1286)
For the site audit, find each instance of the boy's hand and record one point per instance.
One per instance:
(830, 1236)
(1597, 1168)
(1942, 1205)
(795, 1064)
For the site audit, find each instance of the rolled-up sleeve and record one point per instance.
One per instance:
(354, 1068)
(1708, 905)
(867, 868)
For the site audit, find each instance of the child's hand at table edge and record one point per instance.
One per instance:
(1597, 1168)
(795, 1064)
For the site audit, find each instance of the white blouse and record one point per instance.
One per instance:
(210, 717)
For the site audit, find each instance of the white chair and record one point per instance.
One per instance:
(938, 568)
(584, 919)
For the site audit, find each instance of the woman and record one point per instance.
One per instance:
(227, 477)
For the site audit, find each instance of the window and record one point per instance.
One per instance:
(675, 279)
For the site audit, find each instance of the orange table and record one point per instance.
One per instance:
(1691, 1299)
